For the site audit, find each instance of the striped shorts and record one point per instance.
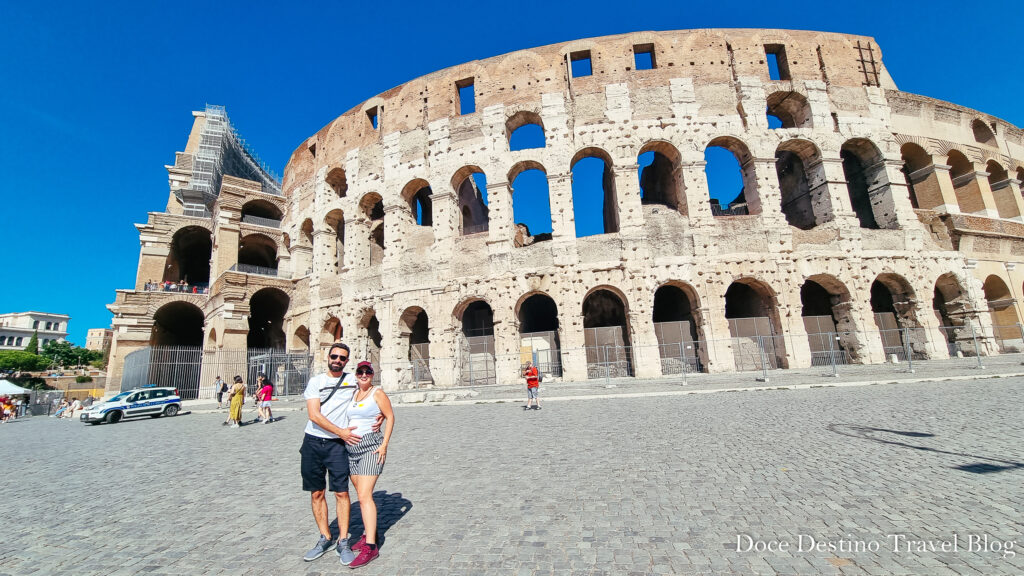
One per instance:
(361, 459)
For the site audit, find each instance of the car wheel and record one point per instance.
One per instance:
(113, 417)
(171, 410)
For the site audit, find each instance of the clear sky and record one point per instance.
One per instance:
(95, 98)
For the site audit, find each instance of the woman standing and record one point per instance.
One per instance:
(237, 396)
(366, 459)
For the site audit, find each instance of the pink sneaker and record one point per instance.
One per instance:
(365, 556)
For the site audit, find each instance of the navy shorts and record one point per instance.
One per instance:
(324, 456)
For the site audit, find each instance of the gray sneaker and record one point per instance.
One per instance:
(345, 553)
(321, 548)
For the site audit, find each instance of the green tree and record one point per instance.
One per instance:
(33, 344)
(22, 361)
(66, 354)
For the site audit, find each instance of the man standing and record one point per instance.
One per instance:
(328, 397)
(220, 387)
(532, 386)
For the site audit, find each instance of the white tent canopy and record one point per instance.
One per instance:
(8, 388)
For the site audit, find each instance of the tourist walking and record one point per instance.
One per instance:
(328, 398)
(366, 459)
(236, 395)
(220, 387)
(263, 397)
(532, 386)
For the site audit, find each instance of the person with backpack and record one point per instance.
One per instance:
(220, 387)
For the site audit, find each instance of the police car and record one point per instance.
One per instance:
(149, 401)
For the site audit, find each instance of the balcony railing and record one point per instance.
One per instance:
(182, 287)
(260, 221)
(259, 270)
(474, 229)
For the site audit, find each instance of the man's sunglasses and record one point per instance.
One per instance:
(364, 372)
(338, 357)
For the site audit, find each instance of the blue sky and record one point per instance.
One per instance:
(95, 99)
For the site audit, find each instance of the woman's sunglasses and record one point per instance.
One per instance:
(364, 372)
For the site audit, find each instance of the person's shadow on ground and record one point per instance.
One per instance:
(390, 509)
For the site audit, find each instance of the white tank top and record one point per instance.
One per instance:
(363, 414)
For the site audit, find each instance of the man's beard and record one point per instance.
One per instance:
(335, 366)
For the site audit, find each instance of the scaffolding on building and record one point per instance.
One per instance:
(222, 151)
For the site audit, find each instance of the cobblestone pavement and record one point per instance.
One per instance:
(649, 485)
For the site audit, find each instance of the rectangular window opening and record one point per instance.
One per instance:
(778, 66)
(467, 97)
(643, 57)
(579, 64)
(372, 115)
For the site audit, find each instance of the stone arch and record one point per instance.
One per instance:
(300, 339)
(1002, 308)
(335, 221)
(953, 311)
(531, 203)
(211, 339)
(267, 309)
(894, 305)
(965, 183)
(371, 206)
(536, 314)
(417, 195)
(832, 333)
(679, 328)
(189, 257)
(868, 185)
(306, 233)
(921, 182)
(746, 200)
(257, 253)
(372, 338)
(331, 332)
(983, 133)
(529, 121)
(475, 346)
(752, 311)
(802, 183)
(472, 199)
(177, 323)
(259, 211)
(791, 108)
(661, 180)
(1002, 192)
(607, 333)
(585, 186)
(414, 328)
(337, 181)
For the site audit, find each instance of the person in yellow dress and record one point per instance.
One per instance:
(237, 396)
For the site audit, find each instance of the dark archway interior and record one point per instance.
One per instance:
(796, 192)
(478, 320)
(857, 183)
(881, 299)
(258, 251)
(266, 319)
(603, 308)
(939, 305)
(815, 299)
(671, 304)
(261, 209)
(189, 259)
(657, 184)
(538, 313)
(420, 329)
(177, 324)
(743, 301)
(373, 332)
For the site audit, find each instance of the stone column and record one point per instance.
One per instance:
(501, 229)
(698, 199)
(396, 225)
(357, 243)
(1008, 200)
(973, 193)
(323, 251)
(934, 188)
(646, 353)
(627, 191)
(794, 336)
(506, 346)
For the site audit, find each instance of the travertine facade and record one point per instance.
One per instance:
(863, 190)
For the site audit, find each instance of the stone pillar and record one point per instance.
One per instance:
(973, 193)
(396, 224)
(323, 251)
(506, 347)
(226, 239)
(695, 188)
(1008, 200)
(900, 194)
(716, 330)
(646, 353)
(627, 191)
(794, 337)
(574, 358)
(839, 194)
(934, 188)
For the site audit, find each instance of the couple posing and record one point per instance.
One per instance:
(343, 440)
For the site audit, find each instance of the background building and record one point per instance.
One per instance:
(868, 222)
(98, 339)
(16, 328)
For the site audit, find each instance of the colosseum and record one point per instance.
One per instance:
(869, 223)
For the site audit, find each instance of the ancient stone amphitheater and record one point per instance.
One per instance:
(872, 224)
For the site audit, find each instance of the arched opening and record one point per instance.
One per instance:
(677, 328)
(921, 182)
(335, 220)
(377, 244)
(538, 333)
(414, 326)
(177, 324)
(211, 339)
(372, 207)
(1002, 192)
(374, 341)
(306, 233)
(262, 213)
(417, 195)
(331, 332)
(267, 308)
(866, 181)
(595, 204)
(1002, 308)
(476, 344)
(982, 133)
(337, 181)
(189, 257)
(524, 130)
(894, 306)
(825, 311)
(300, 340)
(951, 307)
(790, 109)
(606, 335)
(802, 182)
(732, 184)
(660, 176)
(753, 316)
(965, 183)
(470, 185)
(257, 254)
(531, 203)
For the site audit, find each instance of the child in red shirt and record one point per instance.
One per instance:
(532, 386)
